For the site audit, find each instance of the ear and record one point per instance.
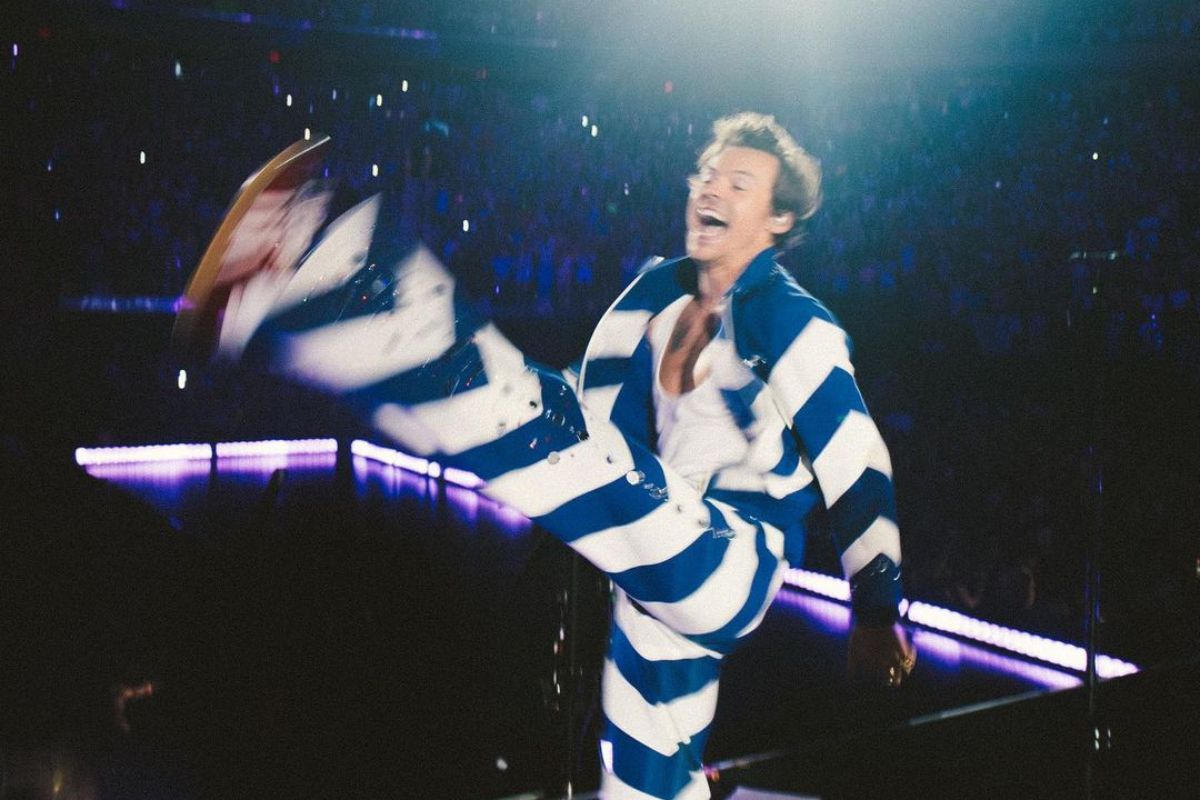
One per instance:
(779, 224)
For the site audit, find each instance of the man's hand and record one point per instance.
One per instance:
(880, 654)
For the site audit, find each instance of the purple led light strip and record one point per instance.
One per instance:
(277, 447)
(1042, 648)
(90, 456)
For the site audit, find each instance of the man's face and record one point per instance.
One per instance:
(730, 215)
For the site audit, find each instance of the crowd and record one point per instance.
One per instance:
(966, 221)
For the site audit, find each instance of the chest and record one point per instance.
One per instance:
(683, 337)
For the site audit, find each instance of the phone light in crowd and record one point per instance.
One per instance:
(404, 86)
(178, 69)
(595, 131)
(181, 381)
(141, 156)
(288, 100)
(466, 225)
(307, 134)
(379, 101)
(1095, 156)
(16, 50)
(57, 215)
(333, 95)
(50, 165)
(584, 121)
(374, 170)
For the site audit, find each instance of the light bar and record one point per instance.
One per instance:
(460, 477)
(1052, 651)
(953, 652)
(818, 583)
(1042, 648)
(88, 456)
(277, 447)
(386, 455)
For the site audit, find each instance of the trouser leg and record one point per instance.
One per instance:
(694, 574)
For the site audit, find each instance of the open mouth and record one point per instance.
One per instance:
(710, 223)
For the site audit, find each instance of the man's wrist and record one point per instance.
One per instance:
(875, 592)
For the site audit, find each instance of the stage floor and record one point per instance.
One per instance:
(326, 625)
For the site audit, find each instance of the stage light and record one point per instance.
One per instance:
(88, 456)
(460, 477)
(181, 379)
(16, 50)
(277, 447)
(934, 617)
(1095, 156)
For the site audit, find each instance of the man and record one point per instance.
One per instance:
(714, 409)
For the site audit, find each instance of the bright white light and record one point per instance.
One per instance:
(388, 456)
(1026, 644)
(141, 156)
(434, 470)
(584, 121)
(85, 456)
(178, 70)
(333, 95)
(595, 131)
(181, 381)
(462, 478)
(374, 170)
(307, 134)
(404, 86)
(1095, 156)
(466, 225)
(50, 166)
(288, 100)
(277, 447)
(379, 100)
(16, 50)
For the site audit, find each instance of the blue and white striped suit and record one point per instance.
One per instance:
(695, 568)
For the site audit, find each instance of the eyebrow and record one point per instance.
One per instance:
(745, 172)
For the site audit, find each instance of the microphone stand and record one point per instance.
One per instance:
(1093, 345)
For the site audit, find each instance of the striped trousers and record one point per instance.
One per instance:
(692, 575)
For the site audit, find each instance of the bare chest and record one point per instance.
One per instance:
(693, 330)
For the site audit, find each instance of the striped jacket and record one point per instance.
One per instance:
(814, 449)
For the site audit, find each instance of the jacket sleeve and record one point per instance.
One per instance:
(805, 361)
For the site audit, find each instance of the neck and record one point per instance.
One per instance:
(715, 278)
